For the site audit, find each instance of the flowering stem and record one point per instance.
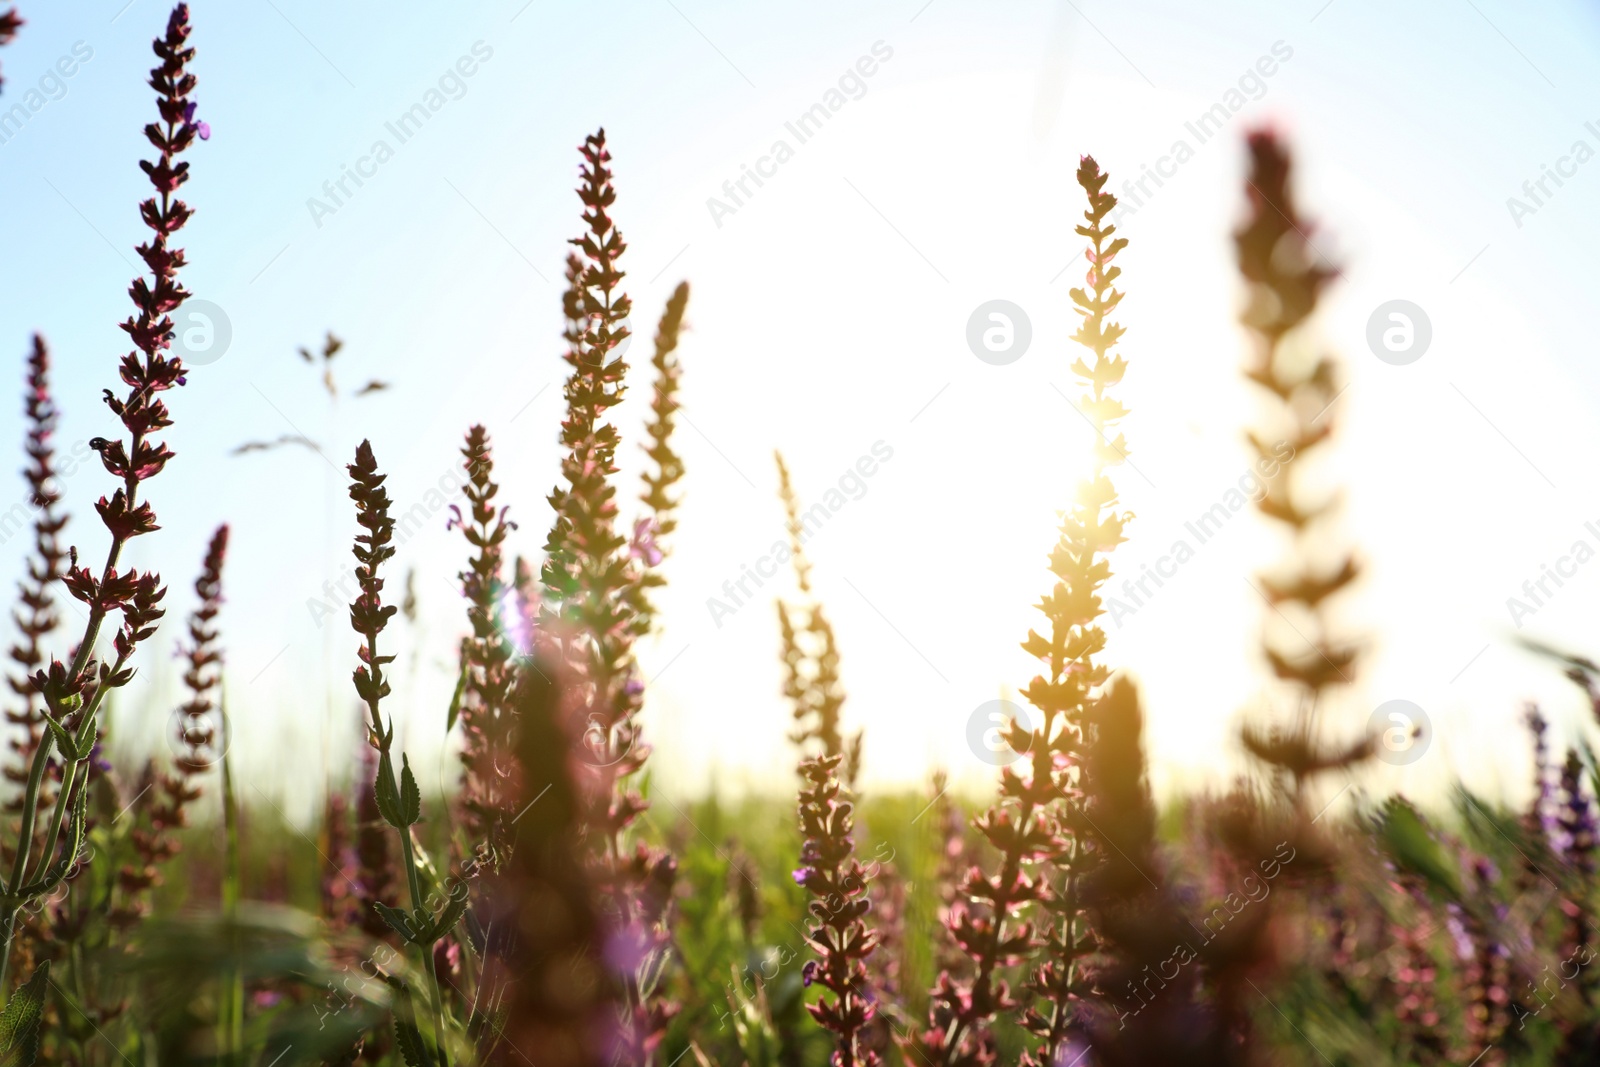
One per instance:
(425, 947)
(399, 804)
(135, 596)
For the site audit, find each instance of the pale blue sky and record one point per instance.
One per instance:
(827, 311)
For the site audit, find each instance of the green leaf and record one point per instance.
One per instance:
(63, 737)
(77, 829)
(87, 730)
(455, 906)
(387, 796)
(412, 1048)
(455, 700)
(410, 795)
(1408, 841)
(19, 1022)
(401, 922)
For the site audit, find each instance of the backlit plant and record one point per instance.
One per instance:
(545, 912)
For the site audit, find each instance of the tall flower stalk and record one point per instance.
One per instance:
(1285, 274)
(36, 615)
(650, 533)
(595, 606)
(1040, 847)
(810, 652)
(398, 799)
(1579, 828)
(547, 958)
(1071, 679)
(486, 654)
(585, 575)
(837, 885)
(73, 693)
(154, 835)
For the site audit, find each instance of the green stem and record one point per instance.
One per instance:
(69, 774)
(30, 806)
(417, 902)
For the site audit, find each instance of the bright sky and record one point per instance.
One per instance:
(829, 314)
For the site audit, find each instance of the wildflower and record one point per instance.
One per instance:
(838, 932)
(486, 655)
(204, 655)
(667, 465)
(594, 605)
(1285, 276)
(560, 996)
(398, 797)
(642, 545)
(77, 691)
(1030, 824)
(1540, 820)
(1069, 684)
(37, 616)
(1487, 993)
(368, 614)
(810, 652)
(340, 909)
(202, 129)
(159, 821)
(1579, 828)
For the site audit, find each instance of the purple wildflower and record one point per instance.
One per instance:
(203, 129)
(643, 546)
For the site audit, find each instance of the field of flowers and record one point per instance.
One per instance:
(548, 910)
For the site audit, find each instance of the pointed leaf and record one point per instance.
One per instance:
(410, 795)
(62, 735)
(387, 796)
(455, 700)
(455, 906)
(400, 921)
(1406, 838)
(19, 1022)
(408, 1039)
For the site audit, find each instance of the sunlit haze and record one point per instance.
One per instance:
(829, 316)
